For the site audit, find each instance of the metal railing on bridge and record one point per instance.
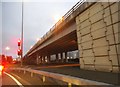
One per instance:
(64, 18)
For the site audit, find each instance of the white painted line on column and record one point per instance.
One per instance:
(18, 83)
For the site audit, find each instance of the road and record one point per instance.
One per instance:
(24, 80)
(7, 79)
(67, 69)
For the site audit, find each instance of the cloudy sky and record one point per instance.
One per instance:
(39, 17)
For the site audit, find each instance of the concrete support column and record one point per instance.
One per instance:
(66, 57)
(57, 58)
(43, 59)
(40, 59)
(48, 57)
(37, 59)
(61, 55)
(34, 59)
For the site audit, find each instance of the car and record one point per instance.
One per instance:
(1, 68)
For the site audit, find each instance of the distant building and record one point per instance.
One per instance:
(5, 59)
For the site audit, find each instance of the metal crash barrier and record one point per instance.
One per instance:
(65, 78)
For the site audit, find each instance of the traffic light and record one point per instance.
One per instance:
(19, 51)
(19, 42)
(19, 47)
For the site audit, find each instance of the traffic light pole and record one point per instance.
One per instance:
(22, 38)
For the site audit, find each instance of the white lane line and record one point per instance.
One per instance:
(21, 79)
(18, 83)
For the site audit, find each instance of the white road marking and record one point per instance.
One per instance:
(21, 79)
(0, 81)
(18, 83)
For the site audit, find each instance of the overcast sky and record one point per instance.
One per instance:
(39, 17)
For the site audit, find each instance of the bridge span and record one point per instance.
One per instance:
(89, 27)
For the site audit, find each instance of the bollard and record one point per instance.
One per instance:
(69, 85)
(31, 74)
(43, 78)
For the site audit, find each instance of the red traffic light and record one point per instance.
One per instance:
(19, 42)
(19, 51)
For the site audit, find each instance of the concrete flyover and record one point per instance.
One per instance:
(89, 27)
